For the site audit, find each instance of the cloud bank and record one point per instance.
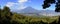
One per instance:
(20, 4)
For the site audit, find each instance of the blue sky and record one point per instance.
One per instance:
(21, 4)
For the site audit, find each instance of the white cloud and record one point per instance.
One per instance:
(19, 5)
(9, 4)
(22, 1)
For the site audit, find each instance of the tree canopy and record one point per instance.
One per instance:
(47, 3)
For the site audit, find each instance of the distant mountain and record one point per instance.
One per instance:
(29, 10)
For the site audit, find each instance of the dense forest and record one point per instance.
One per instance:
(7, 17)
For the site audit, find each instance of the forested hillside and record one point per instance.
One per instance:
(7, 17)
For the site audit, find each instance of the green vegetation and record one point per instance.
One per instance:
(7, 17)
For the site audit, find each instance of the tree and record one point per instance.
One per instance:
(5, 15)
(48, 2)
(6, 12)
(57, 6)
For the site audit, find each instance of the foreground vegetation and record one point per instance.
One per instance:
(7, 17)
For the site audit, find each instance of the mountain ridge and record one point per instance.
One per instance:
(30, 10)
